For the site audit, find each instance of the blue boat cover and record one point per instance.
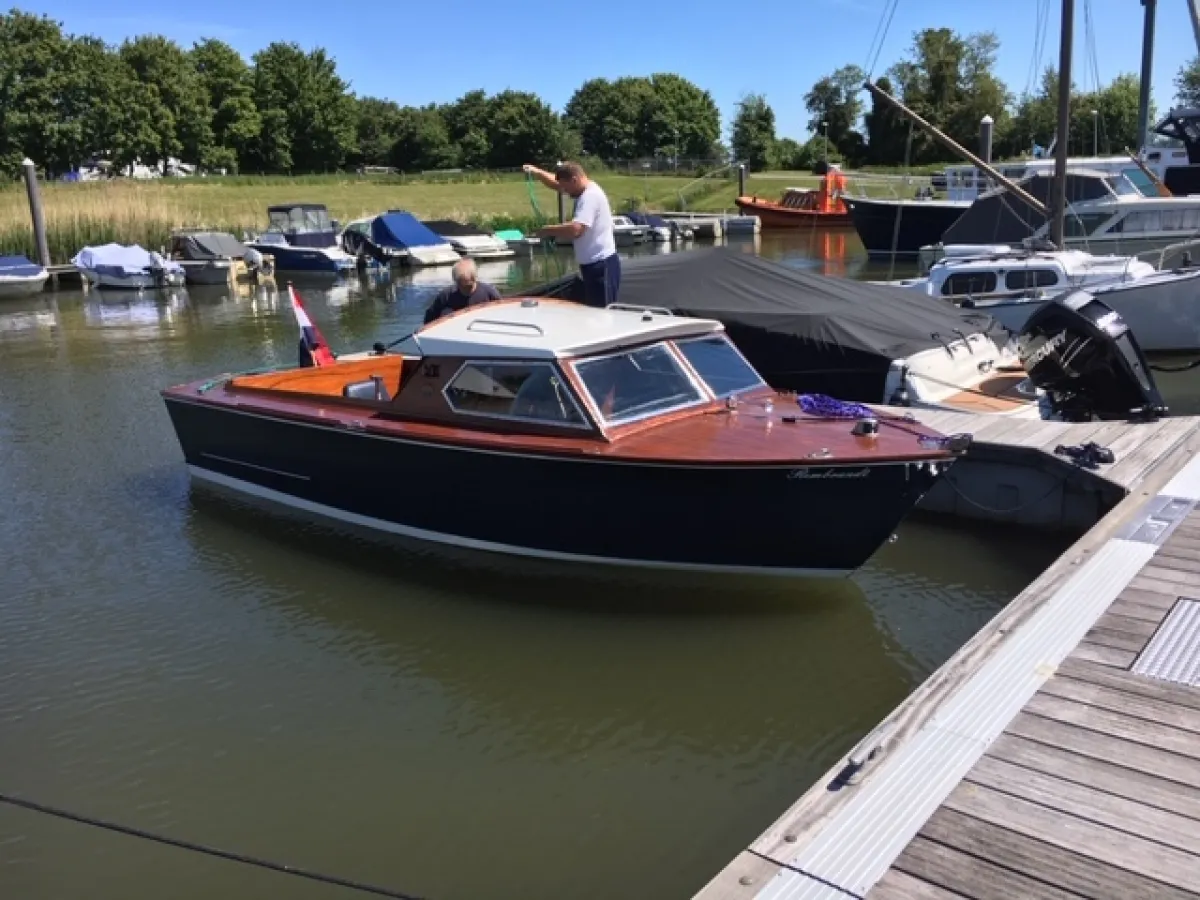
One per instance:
(18, 267)
(402, 230)
(117, 259)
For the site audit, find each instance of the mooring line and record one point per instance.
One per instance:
(363, 887)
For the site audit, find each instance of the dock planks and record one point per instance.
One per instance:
(1091, 790)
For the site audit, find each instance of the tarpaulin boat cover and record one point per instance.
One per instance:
(117, 259)
(402, 230)
(209, 245)
(18, 267)
(802, 331)
(450, 228)
(1001, 217)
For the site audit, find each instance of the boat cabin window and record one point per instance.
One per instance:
(719, 365)
(1161, 220)
(1083, 224)
(969, 283)
(637, 383)
(1141, 181)
(514, 390)
(1024, 279)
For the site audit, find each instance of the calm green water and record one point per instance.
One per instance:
(452, 726)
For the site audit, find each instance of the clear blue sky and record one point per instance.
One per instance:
(423, 52)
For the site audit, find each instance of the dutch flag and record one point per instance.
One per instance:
(312, 342)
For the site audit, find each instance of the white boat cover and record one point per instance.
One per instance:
(117, 259)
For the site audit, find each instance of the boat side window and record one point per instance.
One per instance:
(1138, 222)
(638, 383)
(1141, 181)
(719, 365)
(1082, 224)
(969, 283)
(1024, 279)
(531, 391)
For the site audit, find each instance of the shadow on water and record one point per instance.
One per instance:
(483, 577)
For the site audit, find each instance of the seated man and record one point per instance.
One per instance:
(468, 290)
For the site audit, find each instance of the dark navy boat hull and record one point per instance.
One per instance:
(742, 518)
(922, 222)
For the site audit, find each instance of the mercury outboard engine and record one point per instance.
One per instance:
(1083, 355)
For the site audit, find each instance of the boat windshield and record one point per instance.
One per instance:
(300, 220)
(637, 383)
(719, 365)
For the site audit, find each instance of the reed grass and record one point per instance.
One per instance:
(146, 212)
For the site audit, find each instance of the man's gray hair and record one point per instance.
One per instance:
(465, 267)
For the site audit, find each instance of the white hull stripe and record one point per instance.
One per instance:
(236, 484)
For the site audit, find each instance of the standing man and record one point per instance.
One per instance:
(468, 290)
(591, 228)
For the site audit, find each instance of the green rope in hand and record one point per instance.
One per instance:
(549, 247)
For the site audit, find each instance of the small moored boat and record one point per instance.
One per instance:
(127, 268)
(20, 277)
(470, 240)
(301, 238)
(665, 444)
(801, 206)
(217, 257)
(397, 238)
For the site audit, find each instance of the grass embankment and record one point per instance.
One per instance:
(146, 212)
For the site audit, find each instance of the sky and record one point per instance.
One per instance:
(417, 53)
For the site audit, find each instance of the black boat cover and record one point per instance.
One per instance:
(450, 228)
(208, 245)
(803, 332)
(1001, 217)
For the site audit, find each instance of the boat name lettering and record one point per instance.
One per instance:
(829, 473)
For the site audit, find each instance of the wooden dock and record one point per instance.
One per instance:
(1056, 755)
(1012, 474)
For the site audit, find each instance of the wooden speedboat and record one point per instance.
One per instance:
(798, 206)
(548, 429)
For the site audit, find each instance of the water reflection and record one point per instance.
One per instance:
(185, 663)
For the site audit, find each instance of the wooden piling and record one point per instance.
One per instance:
(36, 213)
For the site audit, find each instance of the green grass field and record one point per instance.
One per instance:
(146, 212)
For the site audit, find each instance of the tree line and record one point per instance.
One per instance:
(950, 81)
(67, 99)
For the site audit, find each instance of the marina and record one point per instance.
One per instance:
(395, 548)
(1057, 750)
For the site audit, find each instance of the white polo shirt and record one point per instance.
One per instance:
(593, 211)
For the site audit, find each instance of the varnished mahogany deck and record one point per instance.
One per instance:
(714, 436)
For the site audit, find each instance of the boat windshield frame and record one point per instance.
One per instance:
(585, 422)
(724, 338)
(703, 394)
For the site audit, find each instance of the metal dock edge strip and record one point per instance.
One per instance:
(865, 836)
(1173, 654)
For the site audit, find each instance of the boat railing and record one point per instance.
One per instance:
(500, 326)
(1158, 256)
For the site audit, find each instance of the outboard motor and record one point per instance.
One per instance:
(1083, 355)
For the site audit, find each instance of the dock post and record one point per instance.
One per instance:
(562, 207)
(742, 180)
(985, 138)
(35, 212)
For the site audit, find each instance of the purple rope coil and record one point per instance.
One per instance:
(829, 408)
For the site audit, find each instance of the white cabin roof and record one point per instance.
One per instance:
(550, 329)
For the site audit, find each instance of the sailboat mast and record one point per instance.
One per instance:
(1147, 64)
(1058, 199)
